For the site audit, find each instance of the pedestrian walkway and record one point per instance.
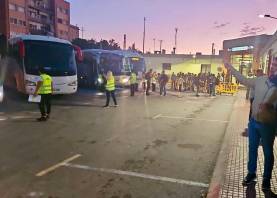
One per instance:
(232, 167)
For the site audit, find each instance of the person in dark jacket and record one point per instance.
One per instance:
(148, 77)
(163, 79)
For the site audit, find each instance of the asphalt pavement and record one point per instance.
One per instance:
(149, 146)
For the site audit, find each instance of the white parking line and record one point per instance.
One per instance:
(3, 118)
(156, 116)
(141, 175)
(52, 168)
(20, 117)
(184, 118)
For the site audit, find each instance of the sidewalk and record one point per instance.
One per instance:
(231, 166)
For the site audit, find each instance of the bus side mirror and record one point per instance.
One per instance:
(21, 48)
(78, 53)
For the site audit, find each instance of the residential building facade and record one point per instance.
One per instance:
(73, 32)
(41, 17)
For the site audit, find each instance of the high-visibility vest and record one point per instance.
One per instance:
(46, 87)
(110, 86)
(133, 78)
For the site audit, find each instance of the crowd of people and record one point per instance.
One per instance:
(198, 83)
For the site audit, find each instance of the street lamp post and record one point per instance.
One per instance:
(144, 19)
(270, 55)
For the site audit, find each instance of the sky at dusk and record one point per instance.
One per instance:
(200, 22)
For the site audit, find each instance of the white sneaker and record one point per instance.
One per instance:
(116, 105)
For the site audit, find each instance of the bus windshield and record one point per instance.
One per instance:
(58, 59)
(137, 64)
(112, 62)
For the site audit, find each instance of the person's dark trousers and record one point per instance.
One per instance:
(108, 95)
(153, 87)
(162, 90)
(210, 89)
(180, 88)
(144, 86)
(250, 112)
(266, 133)
(132, 89)
(45, 104)
(147, 87)
(136, 86)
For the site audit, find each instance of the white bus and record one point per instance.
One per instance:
(29, 52)
(98, 61)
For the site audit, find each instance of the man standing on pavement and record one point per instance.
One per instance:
(148, 77)
(262, 124)
(133, 81)
(173, 81)
(44, 88)
(163, 81)
(110, 89)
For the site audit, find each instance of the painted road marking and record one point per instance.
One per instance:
(3, 118)
(156, 116)
(52, 168)
(20, 117)
(141, 175)
(184, 118)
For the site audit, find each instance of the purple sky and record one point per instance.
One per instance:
(200, 22)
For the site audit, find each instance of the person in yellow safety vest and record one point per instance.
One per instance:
(133, 81)
(110, 89)
(44, 88)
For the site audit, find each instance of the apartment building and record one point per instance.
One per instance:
(42, 17)
(73, 32)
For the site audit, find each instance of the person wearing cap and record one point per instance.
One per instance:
(263, 121)
(44, 88)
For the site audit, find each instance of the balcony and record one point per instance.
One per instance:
(41, 32)
(38, 19)
(35, 4)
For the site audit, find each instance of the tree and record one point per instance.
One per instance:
(82, 43)
(92, 44)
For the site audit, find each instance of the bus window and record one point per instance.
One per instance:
(57, 59)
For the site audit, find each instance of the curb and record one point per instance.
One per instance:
(218, 176)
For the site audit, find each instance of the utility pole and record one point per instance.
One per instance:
(154, 44)
(175, 48)
(124, 42)
(144, 19)
(82, 30)
(161, 41)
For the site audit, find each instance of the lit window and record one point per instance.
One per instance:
(11, 6)
(20, 9)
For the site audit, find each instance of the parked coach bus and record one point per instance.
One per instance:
(29, 52)
(97, 61)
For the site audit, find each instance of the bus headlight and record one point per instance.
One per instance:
(100, 80)
(30, 83)
(125, 80)
(1, 95)
(73, 83)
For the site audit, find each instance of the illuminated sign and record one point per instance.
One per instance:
(242, 48)
(135, 59)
